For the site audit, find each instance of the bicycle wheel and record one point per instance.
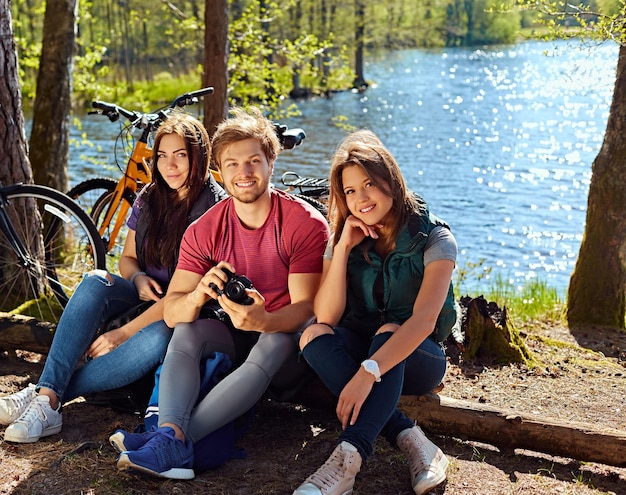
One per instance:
(86, 193)
(94, 196)
(71, 243)
(98, 213)
(318, 205)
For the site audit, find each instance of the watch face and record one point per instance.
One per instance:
(372, 367)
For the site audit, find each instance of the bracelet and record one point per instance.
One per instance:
(135, 275)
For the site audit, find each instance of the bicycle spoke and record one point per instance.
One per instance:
(72, 247)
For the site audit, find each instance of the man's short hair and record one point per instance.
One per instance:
(251, 124)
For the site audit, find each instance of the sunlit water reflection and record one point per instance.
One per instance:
(500, 142)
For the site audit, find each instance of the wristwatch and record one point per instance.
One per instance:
(371, 366)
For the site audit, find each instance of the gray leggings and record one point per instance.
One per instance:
(180, 377)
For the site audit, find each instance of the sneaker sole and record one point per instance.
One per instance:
(117, 441)
(124, 463)
(305, 489)
(53, 430)
(435, 482)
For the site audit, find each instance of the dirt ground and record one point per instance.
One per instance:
(582, 379)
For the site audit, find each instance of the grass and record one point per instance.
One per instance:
(535, 299)
(147, 96)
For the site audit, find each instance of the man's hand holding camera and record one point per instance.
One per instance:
(236, 296)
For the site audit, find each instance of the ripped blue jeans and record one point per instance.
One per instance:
(99, 297)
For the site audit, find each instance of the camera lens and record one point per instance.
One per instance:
(234, 290)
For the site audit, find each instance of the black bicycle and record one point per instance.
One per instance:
(47, 243)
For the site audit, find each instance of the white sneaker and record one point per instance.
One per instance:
(427, 462)
(12, 406)
(336, 476)
(39, 420)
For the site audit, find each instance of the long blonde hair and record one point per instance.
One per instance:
(363, 149)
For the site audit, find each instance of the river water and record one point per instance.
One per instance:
(499, 141)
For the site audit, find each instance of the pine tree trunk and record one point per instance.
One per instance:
(597, 287)
(216, 62)
(49, 141)
(359, 35)
(14, 164)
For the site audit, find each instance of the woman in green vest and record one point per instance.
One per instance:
(384, 307)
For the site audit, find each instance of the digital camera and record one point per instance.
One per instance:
(235, 288)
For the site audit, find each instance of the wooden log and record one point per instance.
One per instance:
(25, 333)
(505, 429)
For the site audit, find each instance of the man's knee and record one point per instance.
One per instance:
(313, 332)
(201, 337)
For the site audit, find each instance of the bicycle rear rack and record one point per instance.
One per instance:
(300, 182)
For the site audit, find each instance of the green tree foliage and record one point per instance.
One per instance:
(275, 47)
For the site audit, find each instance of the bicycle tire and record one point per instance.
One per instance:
(72, 247)
(98, 212)
(87, 192)
(94, 196)
(318, 205)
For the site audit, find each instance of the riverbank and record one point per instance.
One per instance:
(582, 378)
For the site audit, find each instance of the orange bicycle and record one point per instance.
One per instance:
(108, 201)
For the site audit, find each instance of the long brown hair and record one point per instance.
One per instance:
(168, 219)
(363, 149)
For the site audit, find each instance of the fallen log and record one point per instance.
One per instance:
(506, 429)
(25, 333)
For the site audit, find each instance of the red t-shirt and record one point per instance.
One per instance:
(292, 240)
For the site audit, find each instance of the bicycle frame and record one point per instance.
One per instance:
(137, 172)
(119, 198)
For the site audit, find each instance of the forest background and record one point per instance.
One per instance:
(146, 53)
(149, 50)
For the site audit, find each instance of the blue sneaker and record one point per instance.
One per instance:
(163, 455)
(124, 441)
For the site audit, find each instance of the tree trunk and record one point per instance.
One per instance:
(490, 333)
(505, 429)
(359, 41)
(597, 287)
(14, 164)
(216, 62)
(49, 141)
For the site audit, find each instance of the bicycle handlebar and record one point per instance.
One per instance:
(289, 138)
(189, 98)
(147, 120)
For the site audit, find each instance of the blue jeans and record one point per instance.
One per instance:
(98, 298)
(337, 357)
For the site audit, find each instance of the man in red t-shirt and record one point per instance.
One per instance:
(275, 240)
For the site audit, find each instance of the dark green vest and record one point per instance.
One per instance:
(401, 274)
